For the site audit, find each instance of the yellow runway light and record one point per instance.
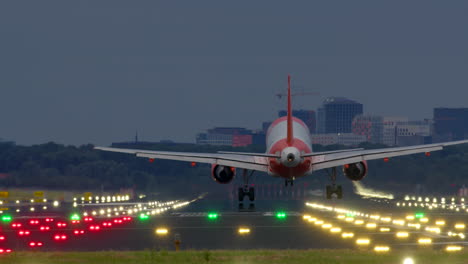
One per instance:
(459, 226)
(335, 230)
(243, 230)
(347, 235)
(161, 231)
(410, 217)
(425, 241)
(358, 222)
(312, 219)
(402, 234)
(319, 222)
(341, 217)
(381, 248)
(305, 217)
(386, 219)
(327, 226)
(384, 229)
(349, 219)
(453, 248)
(440, 222)
(424, 220)
(371, 225)
(399, 222)
(363, 241)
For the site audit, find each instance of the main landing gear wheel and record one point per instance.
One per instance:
(245, 190)
(333, 188)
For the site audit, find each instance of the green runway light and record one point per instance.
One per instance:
(144, 217)
(280, 215)
(7, 218)
(75, 217)
(419, 215)
(213, 216)
(350, 214)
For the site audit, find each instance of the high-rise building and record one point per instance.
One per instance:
(347, 139)
(450, 124)
(226, 136)
(321, 121)
(369, 126)
(339, 113)
(307, 116)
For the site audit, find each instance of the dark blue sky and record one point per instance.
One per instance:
(79, 72)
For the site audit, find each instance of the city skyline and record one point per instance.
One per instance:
(77, 73)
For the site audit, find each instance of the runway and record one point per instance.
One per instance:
(117, 223)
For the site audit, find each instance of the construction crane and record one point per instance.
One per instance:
(281, 95)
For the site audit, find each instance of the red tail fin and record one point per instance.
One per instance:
(289, 138)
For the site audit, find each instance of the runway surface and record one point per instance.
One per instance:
(118, 223)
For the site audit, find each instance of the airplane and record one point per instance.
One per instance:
(288, 155)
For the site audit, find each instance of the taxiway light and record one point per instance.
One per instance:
(381, 248)
(327, 226)
(358, 222)
(306, 217)
(459, 226)
(408, 261)
(424, 241)
(312, 219)
(371, 225)
(362, 241)
(402, 234)
(440, 222)
(244, 231)
(335, 230)
(161, 231)
(453, 248)
(423, 220)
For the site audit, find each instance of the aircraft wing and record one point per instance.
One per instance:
(250, 162)
(339, 159)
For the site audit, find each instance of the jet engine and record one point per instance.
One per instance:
(355, 171)
(222, 174)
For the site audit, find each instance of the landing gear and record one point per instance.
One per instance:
(289, 182)
(333, 188)
(245, 190)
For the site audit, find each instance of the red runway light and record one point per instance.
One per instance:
(16, 225)
(78, 232)
(88, 219)
(24, 233)
(34, 222)
(60, 237)
(44, 228)
(49, 220)
(117, 221)
(5, 250)
(75, 222)
(61, 224)
(2, 238)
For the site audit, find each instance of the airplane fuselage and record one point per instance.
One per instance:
(290, 165)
